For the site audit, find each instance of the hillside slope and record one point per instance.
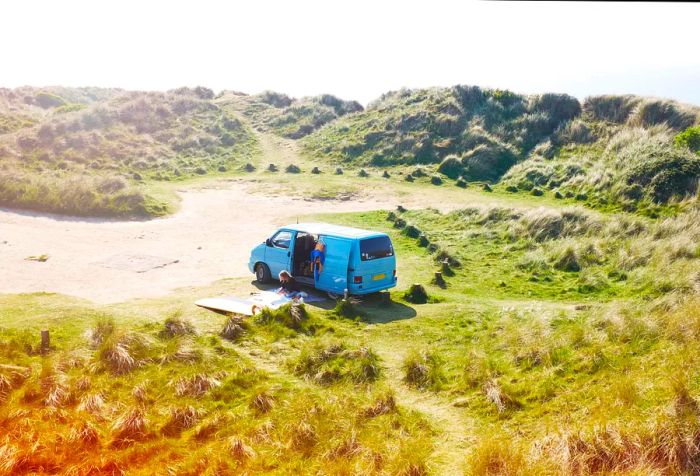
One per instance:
(87, 158)
(610, 151)
(285, 116)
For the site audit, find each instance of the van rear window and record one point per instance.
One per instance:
(373, 248)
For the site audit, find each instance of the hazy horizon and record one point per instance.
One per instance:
(356, 52)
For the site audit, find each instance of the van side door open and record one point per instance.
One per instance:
(334, 276)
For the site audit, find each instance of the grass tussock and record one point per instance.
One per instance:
(177, 326)
(347, 309)
(122, 353)
(239, 450)
(424, 370)
(196, 385)
(234, 328)
(129, 427)
(329, 362)
(290, 316)
(84, 434)
(181, 418)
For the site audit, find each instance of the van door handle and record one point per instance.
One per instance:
(289, 253)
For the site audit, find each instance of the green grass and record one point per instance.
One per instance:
(186, 394)
(524, 362)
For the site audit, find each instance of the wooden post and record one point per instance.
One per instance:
(439, 280)
(446, 270)
(386, 298)
(45, 341)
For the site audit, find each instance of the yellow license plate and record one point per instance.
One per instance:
(377, 277)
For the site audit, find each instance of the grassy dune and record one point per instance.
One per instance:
(558, 334)
(563, 341)
(102, 157)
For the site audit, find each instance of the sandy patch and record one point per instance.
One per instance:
(210, 238)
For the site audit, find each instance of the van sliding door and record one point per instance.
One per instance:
(334, 276)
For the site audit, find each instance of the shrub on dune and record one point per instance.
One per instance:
(238, 450)
(122, 353)
(130, 426)
(424, 370)
(181, 418)
(329, 362)
(176, 326)
(196, 386)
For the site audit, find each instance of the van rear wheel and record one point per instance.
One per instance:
(262, 273)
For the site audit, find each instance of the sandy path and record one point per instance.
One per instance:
(112, 261)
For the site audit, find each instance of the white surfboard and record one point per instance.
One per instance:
(230, 305)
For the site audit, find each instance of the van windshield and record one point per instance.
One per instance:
(373, 248)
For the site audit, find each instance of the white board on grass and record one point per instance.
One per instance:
(230, 305)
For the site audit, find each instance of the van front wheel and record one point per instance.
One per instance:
(262, 273)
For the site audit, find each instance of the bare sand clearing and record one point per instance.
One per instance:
(210, 238)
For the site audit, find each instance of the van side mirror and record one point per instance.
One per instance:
(268, 242)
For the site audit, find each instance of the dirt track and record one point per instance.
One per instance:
(111, 261)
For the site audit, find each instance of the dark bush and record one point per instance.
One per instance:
(292, 169)
(451, 166)
(511, 189)
(339, 171)
(423, 240)
(386, 174)
(558, 195)
(559, 107)
(316, 171)
(362, 173)
(416, 294)
(488, 161)
(409, 178)
(461, 183)
(443, 256)
(249, 167)
(487, 188)
(674, 174)
(537, 192)
(436, 180)
(272, 168)
(411, 231)
(275, 99)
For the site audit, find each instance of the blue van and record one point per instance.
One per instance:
(360, 261)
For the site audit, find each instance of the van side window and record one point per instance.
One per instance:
(282, 239)
(374, 248)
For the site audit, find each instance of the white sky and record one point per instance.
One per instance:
(354, 49)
